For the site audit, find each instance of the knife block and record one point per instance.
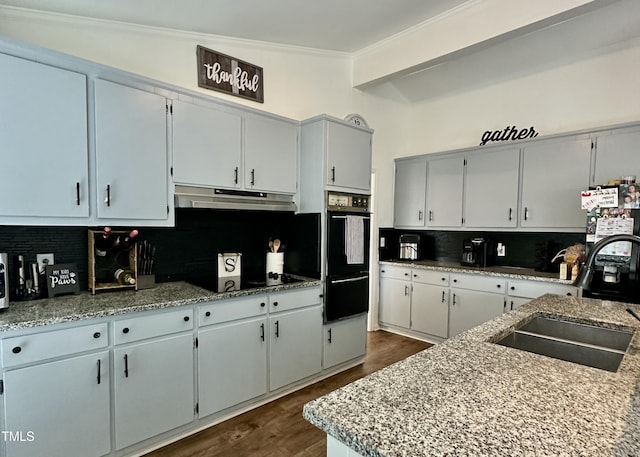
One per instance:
(102, 269)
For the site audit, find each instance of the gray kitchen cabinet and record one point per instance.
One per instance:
(616, 155)
(334, 155)
(207, 146)
(56, 390)
(521, 291)
(430, 302)
(409, 198)
(43, 144)
(474, 299)
(295, 345)
(445, 179)
(153, 375)
(48, 416)
(232, 344)
(132, 177)
(348, 157)
(271, 155)
(394, 301)
(344, 340)
(470, 308)
(553, 174)
(491, 188)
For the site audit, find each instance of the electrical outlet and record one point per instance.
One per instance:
(502, 250)
(383, 242)
(44, 260)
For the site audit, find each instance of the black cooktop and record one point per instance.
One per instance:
(214, 285)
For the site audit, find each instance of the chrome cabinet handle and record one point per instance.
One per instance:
(333, 174)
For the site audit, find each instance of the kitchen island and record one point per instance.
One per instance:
(471, 397)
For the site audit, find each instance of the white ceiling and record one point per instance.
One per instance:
(337, 25)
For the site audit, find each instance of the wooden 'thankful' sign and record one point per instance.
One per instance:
(229, 75)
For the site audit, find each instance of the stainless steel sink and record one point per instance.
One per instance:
(575, 342)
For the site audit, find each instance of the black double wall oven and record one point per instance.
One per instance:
(347, 268)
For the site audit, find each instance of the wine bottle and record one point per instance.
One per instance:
(125, 242)
(103, 242)
(124, 276)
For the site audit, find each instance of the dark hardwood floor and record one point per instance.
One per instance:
(278, 429)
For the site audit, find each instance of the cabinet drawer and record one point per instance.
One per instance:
(46, 345)
(231, 310)
(535, 289)
(480, 283)
(151, 326)
(295, 299)
(389, 271)
(437, 278)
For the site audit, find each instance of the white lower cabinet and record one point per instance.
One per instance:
(295, 351)
(521, 292)
(153, 375)
(59, 409)
(470, 308)
(395, 302)
(344, 340)
(430, 309)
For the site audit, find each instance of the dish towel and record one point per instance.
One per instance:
(354, 240)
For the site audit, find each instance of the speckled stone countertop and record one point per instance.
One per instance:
(506, 272)
(28, 314)
(470, 397)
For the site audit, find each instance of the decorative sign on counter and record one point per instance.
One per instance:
(62, 279)
(509, 133)
(227, 74)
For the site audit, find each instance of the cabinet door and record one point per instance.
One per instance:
(553, 175)
(295, 350)
(617, 156)
(410, 193)
(348, 157)
(430, 309)
(271, 155)
(395, 302)
(232, 364)
(43, 141)
(207, 146)
(444, 192)
(153, 388)
(470, 308)
(491, 189)
(344, 340)
(60, 409)
(131, 153)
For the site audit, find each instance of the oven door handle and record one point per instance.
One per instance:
(338, 281)
(357, 214)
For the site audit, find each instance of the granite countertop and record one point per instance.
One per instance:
(470, 397)
(34, 313)
(503, 271)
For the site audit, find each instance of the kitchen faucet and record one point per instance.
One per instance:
(583, 281)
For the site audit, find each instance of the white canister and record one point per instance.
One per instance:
(275, 267)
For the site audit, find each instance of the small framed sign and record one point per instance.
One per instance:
(227, 74)
(62, 279)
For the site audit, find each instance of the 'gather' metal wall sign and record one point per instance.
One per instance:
(227, 74)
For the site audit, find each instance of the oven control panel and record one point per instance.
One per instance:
(347, 202)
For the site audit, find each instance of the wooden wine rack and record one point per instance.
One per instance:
(101, 268)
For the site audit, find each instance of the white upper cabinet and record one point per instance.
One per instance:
(348, 157)
(491, 189)
(43, 144)
(617, 155)
(207, 146)
(132, 179)
(445, 178)
(553, 175)
(271, 155)
(410, 193)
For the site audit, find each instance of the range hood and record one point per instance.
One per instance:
(204, 197)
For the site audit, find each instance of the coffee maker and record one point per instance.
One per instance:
(476, 252)
(4, 281)
(409, 247)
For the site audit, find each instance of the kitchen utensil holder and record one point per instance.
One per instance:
(103, 267)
